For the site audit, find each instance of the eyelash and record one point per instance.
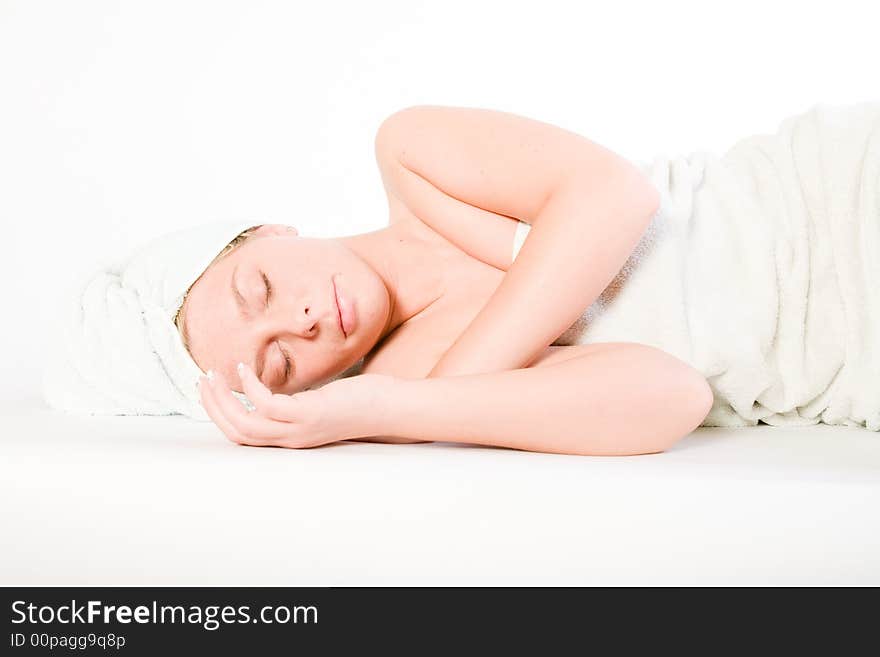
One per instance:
(286, 363)
(283, 353)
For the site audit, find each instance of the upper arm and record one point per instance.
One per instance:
(464, 169)
(498, 161)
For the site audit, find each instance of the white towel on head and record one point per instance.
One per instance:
(118, 351)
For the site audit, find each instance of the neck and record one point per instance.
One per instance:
(408, 265)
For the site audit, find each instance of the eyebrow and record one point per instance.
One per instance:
(260, 359)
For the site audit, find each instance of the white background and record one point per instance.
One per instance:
(122, 120)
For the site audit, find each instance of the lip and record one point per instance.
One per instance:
(347, 311)
(338, 309)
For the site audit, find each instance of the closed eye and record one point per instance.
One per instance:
(286, 365)
(280, 348)
(268, 287)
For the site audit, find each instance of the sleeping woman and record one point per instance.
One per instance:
(455, 340)
(534, 290)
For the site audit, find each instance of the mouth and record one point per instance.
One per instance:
(338, 311)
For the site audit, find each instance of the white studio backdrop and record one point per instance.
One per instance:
(122, 120)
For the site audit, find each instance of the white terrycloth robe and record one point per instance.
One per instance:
(761, 270)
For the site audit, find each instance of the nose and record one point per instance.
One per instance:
(280, 319)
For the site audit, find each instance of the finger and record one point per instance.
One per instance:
(221, 415)
(274, 406)
(206, 394)
(209, 401)
(254, 426)
(255, 390)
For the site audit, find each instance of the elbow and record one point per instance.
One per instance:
(388, 139)
(697, 398)
(392, 131)
(704, 400)
(650, 198)
(636, 194)
(642, 193)
(679, 408)
(673, 411)
(693, 401)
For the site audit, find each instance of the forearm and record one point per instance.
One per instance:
(577, 244)
(627, 399)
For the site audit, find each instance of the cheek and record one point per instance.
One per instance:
(214, 346)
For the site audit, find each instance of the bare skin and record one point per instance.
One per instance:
(283, 307)
(442, 356)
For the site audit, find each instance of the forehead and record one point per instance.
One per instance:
(210, 313)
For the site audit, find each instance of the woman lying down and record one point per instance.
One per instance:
(532, 290)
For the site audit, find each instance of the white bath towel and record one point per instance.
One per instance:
(761, 270)
(118, 351)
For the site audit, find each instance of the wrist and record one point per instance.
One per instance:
(393, 412)
(380, 410)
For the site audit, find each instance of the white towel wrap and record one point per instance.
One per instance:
(117, 350)
(761, 270)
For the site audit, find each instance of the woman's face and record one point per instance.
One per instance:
(231, 315)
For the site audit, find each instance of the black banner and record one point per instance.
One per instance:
(172, 621)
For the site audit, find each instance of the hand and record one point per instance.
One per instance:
(340, 410)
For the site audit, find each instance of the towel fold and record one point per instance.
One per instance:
(118, 351)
